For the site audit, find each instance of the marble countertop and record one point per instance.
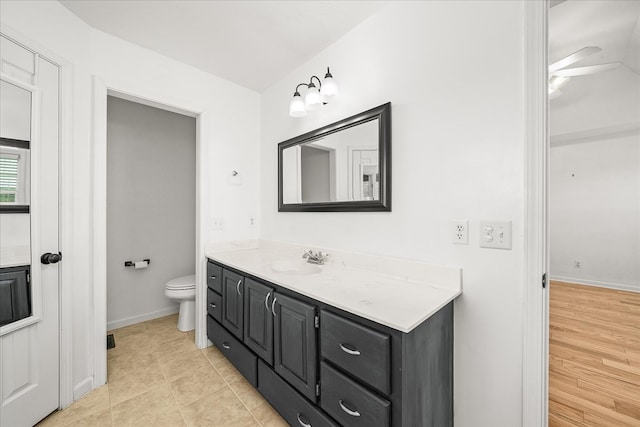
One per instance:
(397, 293)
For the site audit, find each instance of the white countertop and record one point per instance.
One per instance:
(13, 256)
(397, 293)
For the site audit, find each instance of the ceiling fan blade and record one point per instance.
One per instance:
(555, 94)
(583, 71)
(574, 57)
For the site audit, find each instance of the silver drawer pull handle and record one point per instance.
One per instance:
(238, 286)
(347, 410)
(349, 351)
(266, 301)
(212, 277)
(212, 305)
(302, 423)
(226, 345)
(273, 304)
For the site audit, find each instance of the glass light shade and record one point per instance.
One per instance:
(296, 107)
(329, 88)
(312, 99)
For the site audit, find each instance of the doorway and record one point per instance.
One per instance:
(151, 195)
(154, 98)
(594, 206)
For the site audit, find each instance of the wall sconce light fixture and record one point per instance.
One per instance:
(314, 96)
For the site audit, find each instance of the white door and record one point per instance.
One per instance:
(29, 335)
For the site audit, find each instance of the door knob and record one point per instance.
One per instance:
(50, 258)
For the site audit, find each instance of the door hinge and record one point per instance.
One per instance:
(316, 321)
(318, 389)
(544, 280)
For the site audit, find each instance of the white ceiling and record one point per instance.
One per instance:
(609, 24)
(251, 43)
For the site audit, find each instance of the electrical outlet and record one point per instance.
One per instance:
(577, 264)
(252, 222)
(460, 232)
(217, 223)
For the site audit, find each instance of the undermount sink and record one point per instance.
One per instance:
(294, 267)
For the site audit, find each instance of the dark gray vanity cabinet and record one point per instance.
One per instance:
(238, 354)
(292, 406)
(318, 365)
(258, 319)
(233, 302)
(214, 277)
(15, 290)
(295, 354)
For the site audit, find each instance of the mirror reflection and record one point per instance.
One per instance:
(15, 135)
(342, 166)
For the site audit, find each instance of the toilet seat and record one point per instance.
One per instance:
(182, 283)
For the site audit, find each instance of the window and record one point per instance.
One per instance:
(9, 169)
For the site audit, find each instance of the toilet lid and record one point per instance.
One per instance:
(184, 282)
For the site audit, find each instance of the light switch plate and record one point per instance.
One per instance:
(495, 234)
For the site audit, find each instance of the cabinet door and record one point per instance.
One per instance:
(232, 302)
(295, 357)
(258, 320)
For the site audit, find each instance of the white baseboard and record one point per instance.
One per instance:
(121, 323)
(82, 388)
(608, 285)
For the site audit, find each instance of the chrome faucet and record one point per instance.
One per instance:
(315, 258)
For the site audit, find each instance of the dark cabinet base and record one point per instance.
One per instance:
(242, 358)
(350, 403)
(294, 408)
(15, 294)
(331, 367)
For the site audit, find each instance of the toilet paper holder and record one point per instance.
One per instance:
(133, 263)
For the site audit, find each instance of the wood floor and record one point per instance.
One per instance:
(594, 356)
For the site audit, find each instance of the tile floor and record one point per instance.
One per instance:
(158, 377)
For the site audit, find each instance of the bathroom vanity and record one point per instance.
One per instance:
(339, 344)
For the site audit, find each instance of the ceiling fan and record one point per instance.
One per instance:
(559, 75)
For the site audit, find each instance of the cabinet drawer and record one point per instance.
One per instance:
(214, 305)
(359, 350)
(350, 403)
(214, 277)
(294, 408)
(242, 358)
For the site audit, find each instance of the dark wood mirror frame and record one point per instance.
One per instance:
(383, 114)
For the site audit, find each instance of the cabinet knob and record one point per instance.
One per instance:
(226, 345)
(212, 305)
(302, 423)
(346, 349)
(347, 410)
(212, 277)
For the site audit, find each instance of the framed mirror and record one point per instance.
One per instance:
(341, 167)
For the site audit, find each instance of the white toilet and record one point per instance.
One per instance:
(183, 290)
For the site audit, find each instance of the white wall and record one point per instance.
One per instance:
(151, 208)
(594, 199)
(454, 74)
(594, 188)
(598, 101)
(233, 143)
